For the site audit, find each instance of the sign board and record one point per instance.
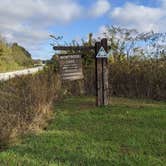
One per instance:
(71, 67)
(102, 53)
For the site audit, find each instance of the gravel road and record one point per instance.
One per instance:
(9, 75)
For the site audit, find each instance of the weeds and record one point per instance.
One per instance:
(25, 103)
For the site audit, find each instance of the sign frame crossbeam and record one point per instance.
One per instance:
(73, 48)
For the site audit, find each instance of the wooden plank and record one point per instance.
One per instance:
(66, 64)
(72, 78)
(74, 48)
(99, 95)
(70, 57)
(105, 74)
(72, 70)
(70, 67)
(71, 74)
(71, 63)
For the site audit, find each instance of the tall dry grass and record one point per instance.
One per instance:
(26, 103)
(144, 78)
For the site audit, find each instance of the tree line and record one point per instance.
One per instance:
(137, 64)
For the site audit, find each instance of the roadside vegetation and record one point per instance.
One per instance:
(26, 104)
(128, 132)
(137, 64)
(39, 127)
(13, 57)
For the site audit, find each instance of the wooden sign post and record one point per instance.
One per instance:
(102, 93)
(71, 68)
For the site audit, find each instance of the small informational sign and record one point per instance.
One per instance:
(102, 53)
(71, 67)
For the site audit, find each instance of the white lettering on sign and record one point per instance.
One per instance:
(102, 53)
(71, 67)
(70, 56)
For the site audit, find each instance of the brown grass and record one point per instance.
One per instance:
(25, 104)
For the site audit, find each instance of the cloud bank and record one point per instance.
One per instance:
(28, 22)
(141, 17)
(100, 8)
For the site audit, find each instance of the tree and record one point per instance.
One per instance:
(129, 42)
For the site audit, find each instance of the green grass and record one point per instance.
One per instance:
(10, 66)
(129, 132)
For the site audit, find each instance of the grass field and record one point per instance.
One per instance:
(128, 132)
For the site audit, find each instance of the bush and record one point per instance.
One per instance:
(138, 78)
(25, 103)
(134, 77)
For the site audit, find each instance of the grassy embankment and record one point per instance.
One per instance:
(26, 104)
(13, 57)
(129, 132)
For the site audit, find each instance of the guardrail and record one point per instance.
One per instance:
(9, 75)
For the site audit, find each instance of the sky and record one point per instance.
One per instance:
(30, 22)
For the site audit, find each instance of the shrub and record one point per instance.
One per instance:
(134, 77)
(25, 103)
(138, 78)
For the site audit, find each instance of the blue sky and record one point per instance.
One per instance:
(29, 22)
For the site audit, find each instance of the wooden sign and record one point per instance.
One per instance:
(71, 67)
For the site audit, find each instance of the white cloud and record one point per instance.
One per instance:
(100, 8)
(101, 32)
(141, 17)
(37, 10)
(27, 21)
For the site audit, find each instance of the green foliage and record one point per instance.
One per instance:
(53, 64)
(129, 132)
(21, 56)
(131, 72)
(88, 55)
(132, 77)
(13, 57)
(144, 78)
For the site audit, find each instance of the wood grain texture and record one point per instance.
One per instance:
(71, 67)
(105, 74)
(99, 82)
